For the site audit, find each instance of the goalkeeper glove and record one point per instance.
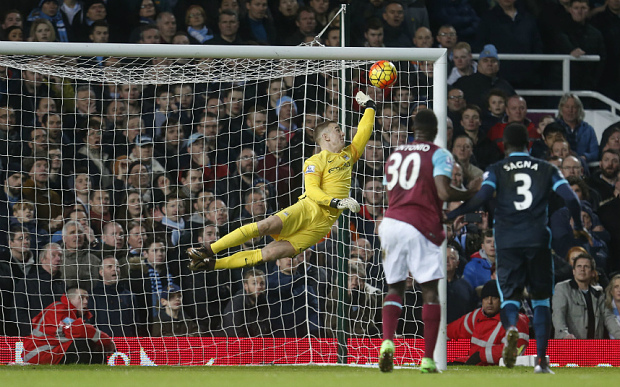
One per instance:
(342, 204)
(364, 100)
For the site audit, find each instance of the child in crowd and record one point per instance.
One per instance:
(24, 215)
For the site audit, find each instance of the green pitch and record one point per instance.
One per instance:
(298, 376)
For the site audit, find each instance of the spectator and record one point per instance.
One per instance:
(206, 294)
(99, 205)
(610, 138)
(484, 328)
(42, 286)
(607, 23)
(256, 26)
(513, 30)
(48, 11)
(23, 216)
(285, 17)
(142, 152)
(136, 242)
(306, 27)
(36, 189)
(481, 267)
(111, 304)
(293, 304)
(477, 85)
(495, 109)
(12, 18)
(174, 213)
(150, 279)
(373, 33)
(171, 320)
(79, 266)
(395, 31)
(423, 38)
(484, 150)
(516, 111)
(42, 30)
(456, 104)
(247, 314)
(462, 149)
(196, 19)
(167, 25)
(332, 37)
(370, 165)
(147, 12)
(255, 205)
(573, 169)
(460, 14)
(612, 297)
(579, 310)
(228, 24)
(76, 342)
(253, 133)
(15, 266)
(199, 209)
(14, 34)
(447, 38)
(360, 306)
(605, 179)
(541, 147)
(580, 134)
(461, 297)
(463, 63)
(578, 37)
(149, 34)
(274, 166)
(607, 214)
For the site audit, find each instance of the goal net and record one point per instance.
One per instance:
(115, 160)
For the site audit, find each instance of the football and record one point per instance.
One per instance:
(382, 74)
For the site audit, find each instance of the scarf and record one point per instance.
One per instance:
(201, 35)
(56, 21)
(157, 287)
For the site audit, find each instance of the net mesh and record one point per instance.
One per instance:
(113, 167)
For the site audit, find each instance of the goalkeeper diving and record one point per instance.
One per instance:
(327, 178)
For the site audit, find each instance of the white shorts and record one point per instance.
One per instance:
(406, 250)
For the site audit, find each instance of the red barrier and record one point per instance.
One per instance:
(223, 351)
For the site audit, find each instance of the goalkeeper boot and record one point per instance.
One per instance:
(510, 352)
(542, 366)
(202, 258)
(386, 356)
(428, 366)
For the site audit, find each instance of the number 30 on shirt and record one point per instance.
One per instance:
(398, 171)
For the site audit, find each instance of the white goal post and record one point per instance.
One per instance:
(181, 74)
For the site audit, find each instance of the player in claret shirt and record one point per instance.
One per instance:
(327, 177)
(522, 185)
(418, 178)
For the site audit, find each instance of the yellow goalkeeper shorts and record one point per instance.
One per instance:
(304, 224)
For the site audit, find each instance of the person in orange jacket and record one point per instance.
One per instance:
(484, 329)
(60, 334)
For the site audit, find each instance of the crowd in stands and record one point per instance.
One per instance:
(105, 186)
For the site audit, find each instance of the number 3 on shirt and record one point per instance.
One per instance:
(523, 190)
(398, 172)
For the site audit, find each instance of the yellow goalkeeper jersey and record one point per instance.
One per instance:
(327, 175)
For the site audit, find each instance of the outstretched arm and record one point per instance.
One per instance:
(364, 128)
(572, 202)
(448, 193)
(485, 194)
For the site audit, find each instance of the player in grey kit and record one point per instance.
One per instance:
(522, 185)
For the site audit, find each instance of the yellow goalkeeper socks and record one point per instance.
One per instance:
(240, 259)
(235, 238)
